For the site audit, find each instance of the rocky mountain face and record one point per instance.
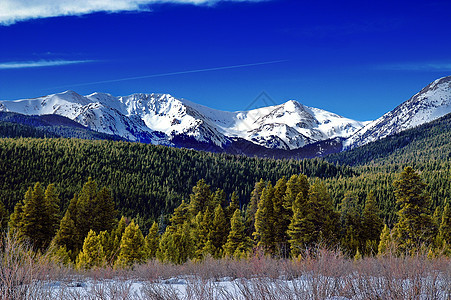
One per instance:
(163, 119)
(286, 130)
(431, 103)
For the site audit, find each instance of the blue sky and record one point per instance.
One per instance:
(356, 59)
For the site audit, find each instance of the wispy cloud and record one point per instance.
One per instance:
(12, 11)
(39, 63)
(419, 66)
(176, 73)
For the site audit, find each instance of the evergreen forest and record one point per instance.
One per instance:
(100, 202)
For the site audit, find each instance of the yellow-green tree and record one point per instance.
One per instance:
(152, 241)
(238, 243)
(132, 249)
(92, 254)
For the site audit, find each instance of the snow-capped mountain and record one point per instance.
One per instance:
(431, 103)
(163, 119)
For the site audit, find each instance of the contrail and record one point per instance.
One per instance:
(175, 73)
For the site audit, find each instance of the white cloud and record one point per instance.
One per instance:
(12, 11)
(39, 63)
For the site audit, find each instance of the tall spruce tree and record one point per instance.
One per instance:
(372, 225)
(252, 207)
(219, 232)
(34, 218)
(92, 254)
(314, 222)
(351, 224)
(415, 227)
(264, 234)
(3, 217)
(132, 249)
(152, 241)
(200, 198)
(238, 243)
(282, 218)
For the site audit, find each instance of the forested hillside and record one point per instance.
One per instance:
(427, 148)
(145, 180)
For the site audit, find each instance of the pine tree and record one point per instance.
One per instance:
(372, 225)
(295, 185)
(314, 222)
(176, 245)
(415, 227)
(282, 218)
(3, 217)
(264, 221)
(92, 254)
(66, 236)
(386, 242)
(34, 217)
(15, 219)
(233, 205)
(52, 213)
(351, 224)
(219, 232)
(200, 198)
(152, 241)
(238, 243)
(105, 214)
(445, 225)
(132, 249)
(252, 207)
(201, 233)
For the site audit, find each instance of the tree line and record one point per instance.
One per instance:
(287, 219)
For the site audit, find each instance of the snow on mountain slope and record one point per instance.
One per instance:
(161, 117)
(432, 102)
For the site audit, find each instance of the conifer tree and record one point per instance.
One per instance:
(233, 205)
(264, 221)
(219, 232)
(200, 198)
(132, 249)
(386, 242)
(16, 217)
(351, 224)
(314, 222)
(445, 226)
(295, 185)
(176, 245)
(253, 206)
(372, 225)
(3, 217)
(238, 243)
(34, 217)
(152, 241)
(282, 218)
(201, 233)
(92, 254)
(180, 216)
(67, 236)
(219, 197)
(415, 227)
(52, 213)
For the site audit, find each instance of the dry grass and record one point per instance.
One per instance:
(324, 275)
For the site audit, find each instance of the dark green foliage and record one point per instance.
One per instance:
(415, 227)
(264, 234)
(372, 225)
(145, 179)
(314, 223)
(238, 243)
(3, 217)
